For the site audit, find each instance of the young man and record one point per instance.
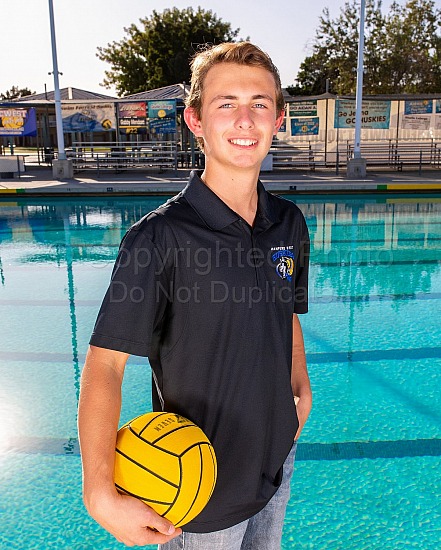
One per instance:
(208, 287)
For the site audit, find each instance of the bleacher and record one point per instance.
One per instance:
(302, 155)
(397, 155)
(389, 154)
(118, 157)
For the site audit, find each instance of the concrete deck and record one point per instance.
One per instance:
(37, 181)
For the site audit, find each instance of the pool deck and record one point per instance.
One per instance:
(37, 181)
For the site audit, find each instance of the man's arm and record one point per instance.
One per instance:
(128, 519)
(301, 386)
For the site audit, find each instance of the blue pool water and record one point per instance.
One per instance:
(368, 465)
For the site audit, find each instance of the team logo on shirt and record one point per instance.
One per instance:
(283, 257)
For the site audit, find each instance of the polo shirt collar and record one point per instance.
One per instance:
(215, 213)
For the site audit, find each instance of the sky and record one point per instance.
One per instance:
(285, 30)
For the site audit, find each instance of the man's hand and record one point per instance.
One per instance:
(301, 386)
(304, 405)
(131, 521)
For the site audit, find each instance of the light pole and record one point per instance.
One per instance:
(62, 168)
(357, 165)
(359, 93)
(58, 116)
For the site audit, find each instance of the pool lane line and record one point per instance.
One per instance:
(348, 450)
(316, 358)
(364, 298)
(369, 450)
(374, 355)
(324, 299)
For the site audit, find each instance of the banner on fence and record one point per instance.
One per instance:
(418, 107)
(18, 122)
(305, 126)
(282, 128)
(162, 116)
(416, 122)
(375, 114)
(303, 108)
(132, 117)
(88, 117)
(438, 114)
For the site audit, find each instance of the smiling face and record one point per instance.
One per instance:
(238, 117)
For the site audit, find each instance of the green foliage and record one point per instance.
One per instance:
(402, 50)
(158, 53)
(15, 92)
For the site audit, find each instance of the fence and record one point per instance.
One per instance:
(166, 155)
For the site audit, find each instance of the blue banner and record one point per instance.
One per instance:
(375, 114)
(282, 128)
(88, 117)
(305, 126)
(162, 126)
(438, 106)
(18, 122)
(418, 107)
(162, 116)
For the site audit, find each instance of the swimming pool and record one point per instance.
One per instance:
(368, 465)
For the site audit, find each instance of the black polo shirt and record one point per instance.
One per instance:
(209, 300)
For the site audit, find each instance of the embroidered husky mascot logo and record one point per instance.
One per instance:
(284, 260)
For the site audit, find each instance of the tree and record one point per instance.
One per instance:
(402, 50)
(15, 92)
(158, 53)
(412, 49)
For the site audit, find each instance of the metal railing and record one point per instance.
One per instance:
(303, 155)
(387, 153)
(166, 155)
(157, 155)
(399, 154)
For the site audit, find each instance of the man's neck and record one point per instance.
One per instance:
(236, 188)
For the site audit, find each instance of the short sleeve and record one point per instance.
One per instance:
(302, 270)
(136, 300)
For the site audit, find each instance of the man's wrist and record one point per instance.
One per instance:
(98, 495)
